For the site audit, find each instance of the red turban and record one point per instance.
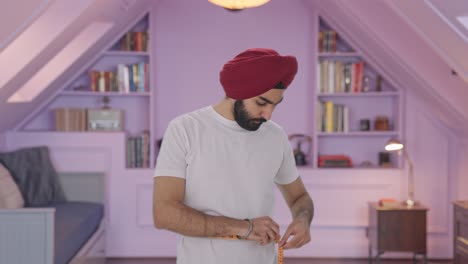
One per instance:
(255, 71)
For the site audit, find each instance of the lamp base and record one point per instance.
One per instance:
(410, 203)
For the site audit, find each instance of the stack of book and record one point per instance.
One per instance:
(332, 117)
(138, 150)
(327, 41)
(126, 78)
(134, 41)
(340, 77)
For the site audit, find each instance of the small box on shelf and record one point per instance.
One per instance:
(389, 203)
(105, 120)
(334, 161)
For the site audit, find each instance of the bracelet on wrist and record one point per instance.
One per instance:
(249, 230)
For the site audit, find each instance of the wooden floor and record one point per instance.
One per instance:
(286, 261)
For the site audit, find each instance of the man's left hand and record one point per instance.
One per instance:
(300, 230)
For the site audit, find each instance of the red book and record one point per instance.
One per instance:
(93, 78)
(107, 81)
(360, 75)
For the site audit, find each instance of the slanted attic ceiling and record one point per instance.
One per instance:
(415, 45)
(119, 13)
(20, 19)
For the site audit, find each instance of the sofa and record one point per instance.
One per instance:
(38, 222)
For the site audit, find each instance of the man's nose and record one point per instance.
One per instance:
(266, 114)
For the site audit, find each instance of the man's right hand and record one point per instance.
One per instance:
(265, 230)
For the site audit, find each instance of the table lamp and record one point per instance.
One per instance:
(396, 145)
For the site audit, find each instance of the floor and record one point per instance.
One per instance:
(286, 261)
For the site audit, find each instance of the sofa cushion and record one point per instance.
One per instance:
(75, 223)
(35, 175)
(10, 196)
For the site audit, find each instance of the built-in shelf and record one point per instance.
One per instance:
(360, 94)
(72, 133)
(144, 171)
(338, 54)
(310, 168)
(358, 134)
(349, 91)
(126, 53)
(140, 173)
(355, 168)
(88, 93)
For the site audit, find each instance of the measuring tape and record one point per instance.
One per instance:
(280, 249)
(280, 253)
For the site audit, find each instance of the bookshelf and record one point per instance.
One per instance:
(356, 109)
(101, 94)
(120, 73)
(367, 94)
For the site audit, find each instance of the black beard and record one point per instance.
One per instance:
(243, 118)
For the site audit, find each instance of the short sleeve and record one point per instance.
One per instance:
(174, 148)
(288, 172)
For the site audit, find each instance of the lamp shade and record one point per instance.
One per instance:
(394, 145)
(238, 4)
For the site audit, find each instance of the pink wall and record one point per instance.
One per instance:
(193, 39)
(460, 169)
(15, 22)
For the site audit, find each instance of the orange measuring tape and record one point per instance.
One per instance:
(280, 249)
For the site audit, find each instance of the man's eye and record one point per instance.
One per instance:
(261, 104)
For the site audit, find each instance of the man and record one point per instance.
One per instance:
(217, 167)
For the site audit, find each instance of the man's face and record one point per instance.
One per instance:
(251, 113)
(244, 119)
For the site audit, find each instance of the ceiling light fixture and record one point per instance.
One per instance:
(238, 4)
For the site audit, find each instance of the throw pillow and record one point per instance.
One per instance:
(10, 196)
(35, 175)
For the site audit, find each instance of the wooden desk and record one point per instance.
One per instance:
(399, 228)
(460, 232)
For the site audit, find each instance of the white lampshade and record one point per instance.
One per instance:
(394, 145)
(238, 4)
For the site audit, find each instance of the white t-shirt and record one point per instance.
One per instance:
(228, 171)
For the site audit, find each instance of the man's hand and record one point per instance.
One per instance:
(300, 229)
(264, 231)
(302, 210)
